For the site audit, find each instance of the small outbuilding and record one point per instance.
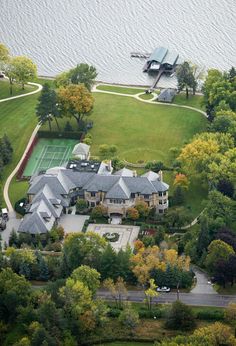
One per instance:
(166, 95)
(81, 151)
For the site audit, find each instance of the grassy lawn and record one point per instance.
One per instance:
(142, 132)
(17, 90)
(17, 120)
(227, 290)
(193, 101)
(146, 96)
(120, 89)
(17, 190)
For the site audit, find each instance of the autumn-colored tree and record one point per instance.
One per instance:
(75, 101)
(150, 293)
(230, 313)
(24, 69)
(132, 213)
(142, 208)
(181, 180)
(117, 289)
(99, 211)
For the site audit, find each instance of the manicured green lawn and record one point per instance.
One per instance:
(142, 132)
(17, 190)
(193, 101)
(17, 90)
(121, 90)
(18, 120)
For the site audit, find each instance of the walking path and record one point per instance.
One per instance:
(203, 284)
(151, 101)
(24, 95)
(13, 221)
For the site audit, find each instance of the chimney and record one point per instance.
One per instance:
(160, 175)
(109, 166)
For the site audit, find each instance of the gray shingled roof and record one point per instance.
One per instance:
(166, 95)
(119, 190)
(34, 224)
(160, 186)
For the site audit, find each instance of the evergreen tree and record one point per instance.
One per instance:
(13, 240)
(43, 270)
(47, 108)
(178, 195)
(25, 270)
(109, 267)
(204, 236)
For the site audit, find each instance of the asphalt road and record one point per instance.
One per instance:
(215, 300)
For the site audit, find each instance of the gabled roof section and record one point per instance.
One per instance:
(101, 183)
(166, 95)
(119, 190)
(35, 224)
(151, 176)
(125, 172)
(160, 186)
(81, 149)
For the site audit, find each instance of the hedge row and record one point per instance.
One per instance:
(60, 134)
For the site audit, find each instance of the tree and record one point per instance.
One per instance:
(24, 69)
(4, 54)
(83, 248)
(230, 312)
(129, 317)
(226, 187)
(79, 306)
(46, 109)
(177, 217)
(117, 289)
(6, 150)
(186, 78)
(75, 101)
(150, 293)
(81, 205)
(109, 267)
(89, 276)
(217, 251)
(221, 207)
(178, 195)
(142, 208)
(81, 74)
(107, 152)
(181, 180)
(204, 237)
(99, 211)
(180, 317)
(14, 292)
(132, 213)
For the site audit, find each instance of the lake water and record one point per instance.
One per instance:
(59, 34)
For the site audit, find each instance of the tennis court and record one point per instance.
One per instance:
(49, 153)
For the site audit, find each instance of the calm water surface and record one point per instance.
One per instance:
(59, 34)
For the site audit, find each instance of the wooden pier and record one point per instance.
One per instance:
(140, 55)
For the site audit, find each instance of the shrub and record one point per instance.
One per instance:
(81, 205)
(87, 141)
(180, 317)
(129, 317)
(99, 211)
(210, 315)
(68, 127)
(230, 312)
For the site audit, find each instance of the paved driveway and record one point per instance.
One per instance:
(203, 285)
(73, 223)
(12, 223)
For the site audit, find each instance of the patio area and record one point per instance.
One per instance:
(73, 223)
(119, 236)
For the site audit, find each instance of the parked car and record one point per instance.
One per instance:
(5, 214)
(163, 289)
(2, 224)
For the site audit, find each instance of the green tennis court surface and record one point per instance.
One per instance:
(49, 153)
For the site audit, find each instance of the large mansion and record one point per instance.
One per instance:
(54, 192)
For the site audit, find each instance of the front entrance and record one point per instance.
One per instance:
(116, 219)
